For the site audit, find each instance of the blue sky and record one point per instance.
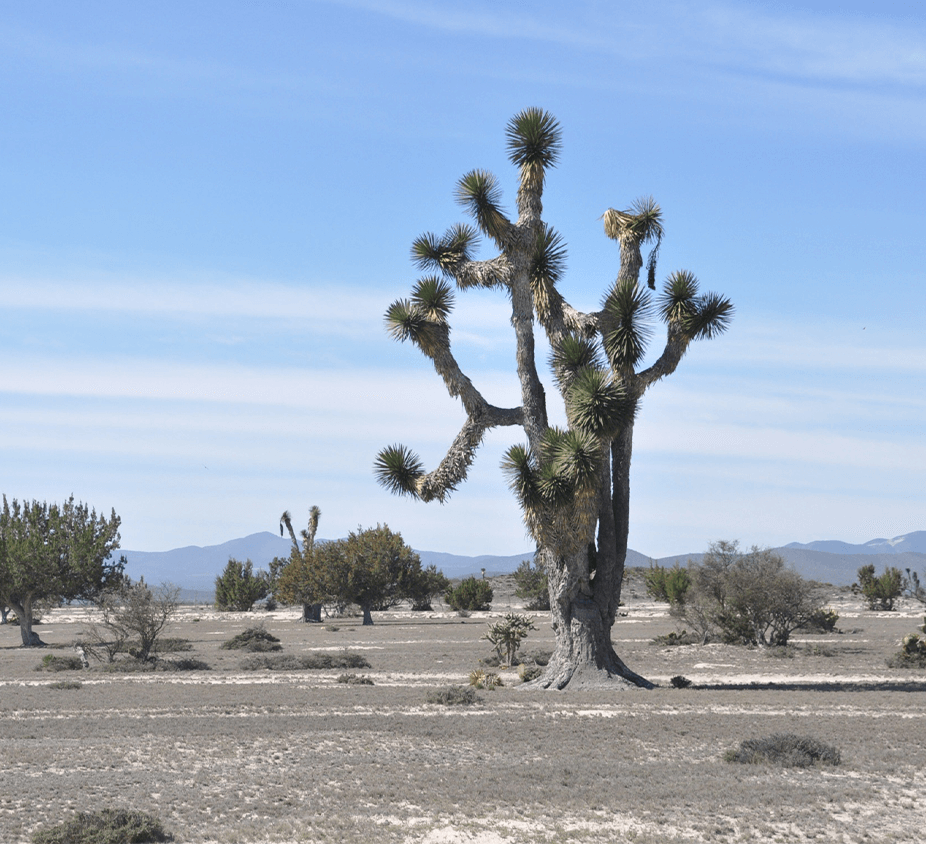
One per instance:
(208, 207)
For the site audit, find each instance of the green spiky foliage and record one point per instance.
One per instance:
(572, 483)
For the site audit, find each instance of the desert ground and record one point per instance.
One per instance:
(230, 755)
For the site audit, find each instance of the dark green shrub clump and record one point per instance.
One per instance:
(109, 826)
(680, 682)
(786, 750)
(50, 662)
(682, 637)
(531, 584)
(254, 640)
(304, 662)
(453, 696)
(471, 594)
(821, 621)
(667, 584)
(355, 680)
(140, 666)
(66, 684)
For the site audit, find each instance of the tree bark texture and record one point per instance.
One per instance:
(24, 614)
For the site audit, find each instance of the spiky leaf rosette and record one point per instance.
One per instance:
(571, 355)
(548, 262)
(712, 316)
(399, 470)
(518, 469)
(641, 223)
(596, 404)
(677, 301)
(479, 193)
(575, 456)
(434, 298)
(444, 253)
(534, 141)
(627, 310)
(406, 320)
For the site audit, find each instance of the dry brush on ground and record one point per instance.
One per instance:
(249, 756)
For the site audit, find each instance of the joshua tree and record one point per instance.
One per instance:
(570, 482)
(299, 557)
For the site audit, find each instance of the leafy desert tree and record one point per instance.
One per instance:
(573, 483)
(238, 587)
(132, 619)
(530, 581)
(372, 568)
(746, 598)
(295, 582)
(52, 552)
(470, 593)
(880, 591)
(424, 589)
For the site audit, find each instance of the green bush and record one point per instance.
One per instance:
(238, 588)
(880, 592)
(453, 696)
(531, 585)
(254, 640)
(50, 662)
(109, 826)
(786, 750)
(304, 662)
(170, 644)
(142, 666)
(667, 584)
(822, 620)
(471, 594)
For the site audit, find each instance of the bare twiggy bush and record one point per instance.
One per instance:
(506, 635)
(133, 618)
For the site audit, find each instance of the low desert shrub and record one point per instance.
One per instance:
(332, 628)
(66, 685)
(453, 696)
(50, 662)
(171, 645)
(786, 750)
(539, 656)
(506, 635)
(471, 594)
(132, 665)
(529, 672)
(912, 653)
(781, 651)
(681, 637)
(819, 650)
(480, 679)
(355, 680)
(254, 640)
(109, 826)
(304, 662)
(679, 682)
(186, 664)
(879, 591)
(822, 620)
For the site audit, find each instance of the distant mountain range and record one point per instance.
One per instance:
(194, 568)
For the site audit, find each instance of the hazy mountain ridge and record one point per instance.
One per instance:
(195, 568)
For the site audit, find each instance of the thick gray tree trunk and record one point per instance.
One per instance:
(367, 616)
(312, 613)
(24, 614)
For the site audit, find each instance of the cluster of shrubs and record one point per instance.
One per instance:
(749, 598)
(471, 594)
(108, 826)
(304, 662)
